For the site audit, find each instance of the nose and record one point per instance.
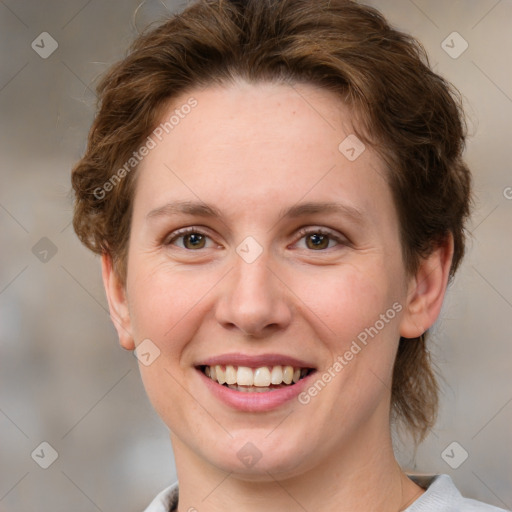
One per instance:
(254, 300)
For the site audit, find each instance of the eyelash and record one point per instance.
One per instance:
(322, 231)
(301, 233)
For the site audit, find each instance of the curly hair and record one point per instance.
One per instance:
(409, 114)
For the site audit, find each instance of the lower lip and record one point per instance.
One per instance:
(255, 401)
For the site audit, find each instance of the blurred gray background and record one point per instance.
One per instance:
(63, 378)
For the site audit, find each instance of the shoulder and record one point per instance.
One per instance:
(442, 496)
(165, 501)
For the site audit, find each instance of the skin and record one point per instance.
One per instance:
(251, 150)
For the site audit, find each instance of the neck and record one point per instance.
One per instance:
(362, 477)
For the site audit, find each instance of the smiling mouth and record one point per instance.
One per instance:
(255, 380)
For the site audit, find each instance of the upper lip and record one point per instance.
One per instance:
(254, 361)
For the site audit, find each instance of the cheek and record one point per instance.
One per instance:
(350, 303)
(164, 304)
(346, 299)
(162, 298)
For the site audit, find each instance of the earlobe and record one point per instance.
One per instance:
(426, 291)
(117, 303)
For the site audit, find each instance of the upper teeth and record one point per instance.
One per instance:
(260, 377)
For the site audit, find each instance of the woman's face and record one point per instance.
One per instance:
(293, 259)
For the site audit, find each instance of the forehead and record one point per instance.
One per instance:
(252, 118)
(249, 144)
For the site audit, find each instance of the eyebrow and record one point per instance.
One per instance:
(201, 209)
(185, 207)
(312, 208)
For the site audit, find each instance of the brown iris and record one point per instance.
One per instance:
(318, 241)
(194, 241)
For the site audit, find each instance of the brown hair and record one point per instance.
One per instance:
(408, 113)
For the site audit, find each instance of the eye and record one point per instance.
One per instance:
(317, 239)
(189, 239)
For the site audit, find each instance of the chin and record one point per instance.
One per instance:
(256, 459)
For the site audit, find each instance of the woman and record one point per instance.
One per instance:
(279, 198)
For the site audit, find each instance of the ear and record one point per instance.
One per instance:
(426, 291)
(117, 303)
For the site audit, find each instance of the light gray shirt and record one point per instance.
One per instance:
(441, 496)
